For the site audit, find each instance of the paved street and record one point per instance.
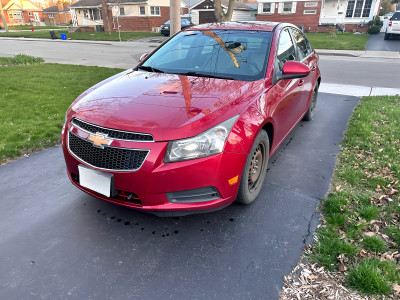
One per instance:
(335, 69)
(59, 243)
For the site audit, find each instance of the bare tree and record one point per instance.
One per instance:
(219, 12)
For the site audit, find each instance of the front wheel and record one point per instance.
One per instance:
(311, 108)
(254, 170)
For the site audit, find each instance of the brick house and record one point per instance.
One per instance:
(319, 15)
(21, 12)
(203, 11)
(57, 15)
(129, 15)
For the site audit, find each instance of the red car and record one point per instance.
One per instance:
(191, 128)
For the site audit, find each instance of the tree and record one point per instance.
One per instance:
(219, 12)
(2, 17)
(386, 6)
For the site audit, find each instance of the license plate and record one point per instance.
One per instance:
(100, 182)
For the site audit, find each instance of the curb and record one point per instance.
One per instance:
(359, 53)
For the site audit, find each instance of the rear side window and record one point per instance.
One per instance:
(286, 50)
(303, 47)
(396, 17)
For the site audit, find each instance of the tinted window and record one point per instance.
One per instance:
(396, 17)
(285, 50)
(235, 54)
(303, 46)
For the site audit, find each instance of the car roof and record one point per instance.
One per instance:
(252, 25)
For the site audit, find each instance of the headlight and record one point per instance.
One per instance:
(205, 144)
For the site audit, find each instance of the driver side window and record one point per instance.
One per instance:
(285, 50)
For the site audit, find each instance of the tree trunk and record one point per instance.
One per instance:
(175, 16)
(3, 17)
(106, 20)
(219, 13)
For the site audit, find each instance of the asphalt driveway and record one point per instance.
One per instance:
(59, 243)
(377, 43)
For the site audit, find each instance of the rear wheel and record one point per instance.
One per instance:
(386, 36)
(311, 108)
(254, 170)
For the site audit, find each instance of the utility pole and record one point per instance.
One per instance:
(175, 14)
(3, 17)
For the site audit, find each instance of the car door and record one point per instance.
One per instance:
(305, 55)
(283, 97)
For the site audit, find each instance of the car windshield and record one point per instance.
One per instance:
(229, 54)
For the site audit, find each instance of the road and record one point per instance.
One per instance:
(335, 69)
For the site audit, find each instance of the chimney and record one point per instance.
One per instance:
(60, 6)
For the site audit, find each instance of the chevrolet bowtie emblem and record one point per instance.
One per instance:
(99, 140)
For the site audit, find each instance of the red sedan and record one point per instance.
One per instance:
(192, 127)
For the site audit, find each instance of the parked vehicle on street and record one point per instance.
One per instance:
(393, 27)
(165, 28)
(191, 128)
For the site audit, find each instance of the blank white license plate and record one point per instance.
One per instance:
(100, 182)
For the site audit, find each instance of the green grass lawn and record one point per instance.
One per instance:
(33, 102)
(361, 215)
(346, 41)
(98, 36)
(28, 27)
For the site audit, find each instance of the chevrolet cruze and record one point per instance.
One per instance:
(191, 128)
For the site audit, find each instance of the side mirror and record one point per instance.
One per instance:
(143, 56)
(293, 69)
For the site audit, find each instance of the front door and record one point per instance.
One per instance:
(36, 16)
(286, 94)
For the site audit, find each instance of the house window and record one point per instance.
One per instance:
(309, 12)
(356, 9)
(367, 8)
(51, 16)
(311, 4)
(121, 11)
(15, 15)
(266, 8)
(287, 7)
(155, 10)
(29, 14)
(142, 10)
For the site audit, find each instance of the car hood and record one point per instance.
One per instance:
(168, 106)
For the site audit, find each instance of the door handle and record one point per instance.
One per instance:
(301, 82)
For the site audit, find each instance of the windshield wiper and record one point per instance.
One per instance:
(150, 69)
(205, 75)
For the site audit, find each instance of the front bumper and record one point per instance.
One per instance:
(146, 188)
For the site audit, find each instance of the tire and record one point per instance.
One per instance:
(254, 171)
(386, 36)
(311, 107)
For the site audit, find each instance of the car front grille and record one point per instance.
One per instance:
(112, 133)
(109, 158)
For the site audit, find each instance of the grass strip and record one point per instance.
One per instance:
(33, 102)
(360, 230)
(342, 41)
(95, 36)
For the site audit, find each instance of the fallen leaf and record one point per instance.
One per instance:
(396, 287)
(342, 268)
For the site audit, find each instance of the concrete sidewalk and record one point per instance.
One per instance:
(359, 53)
